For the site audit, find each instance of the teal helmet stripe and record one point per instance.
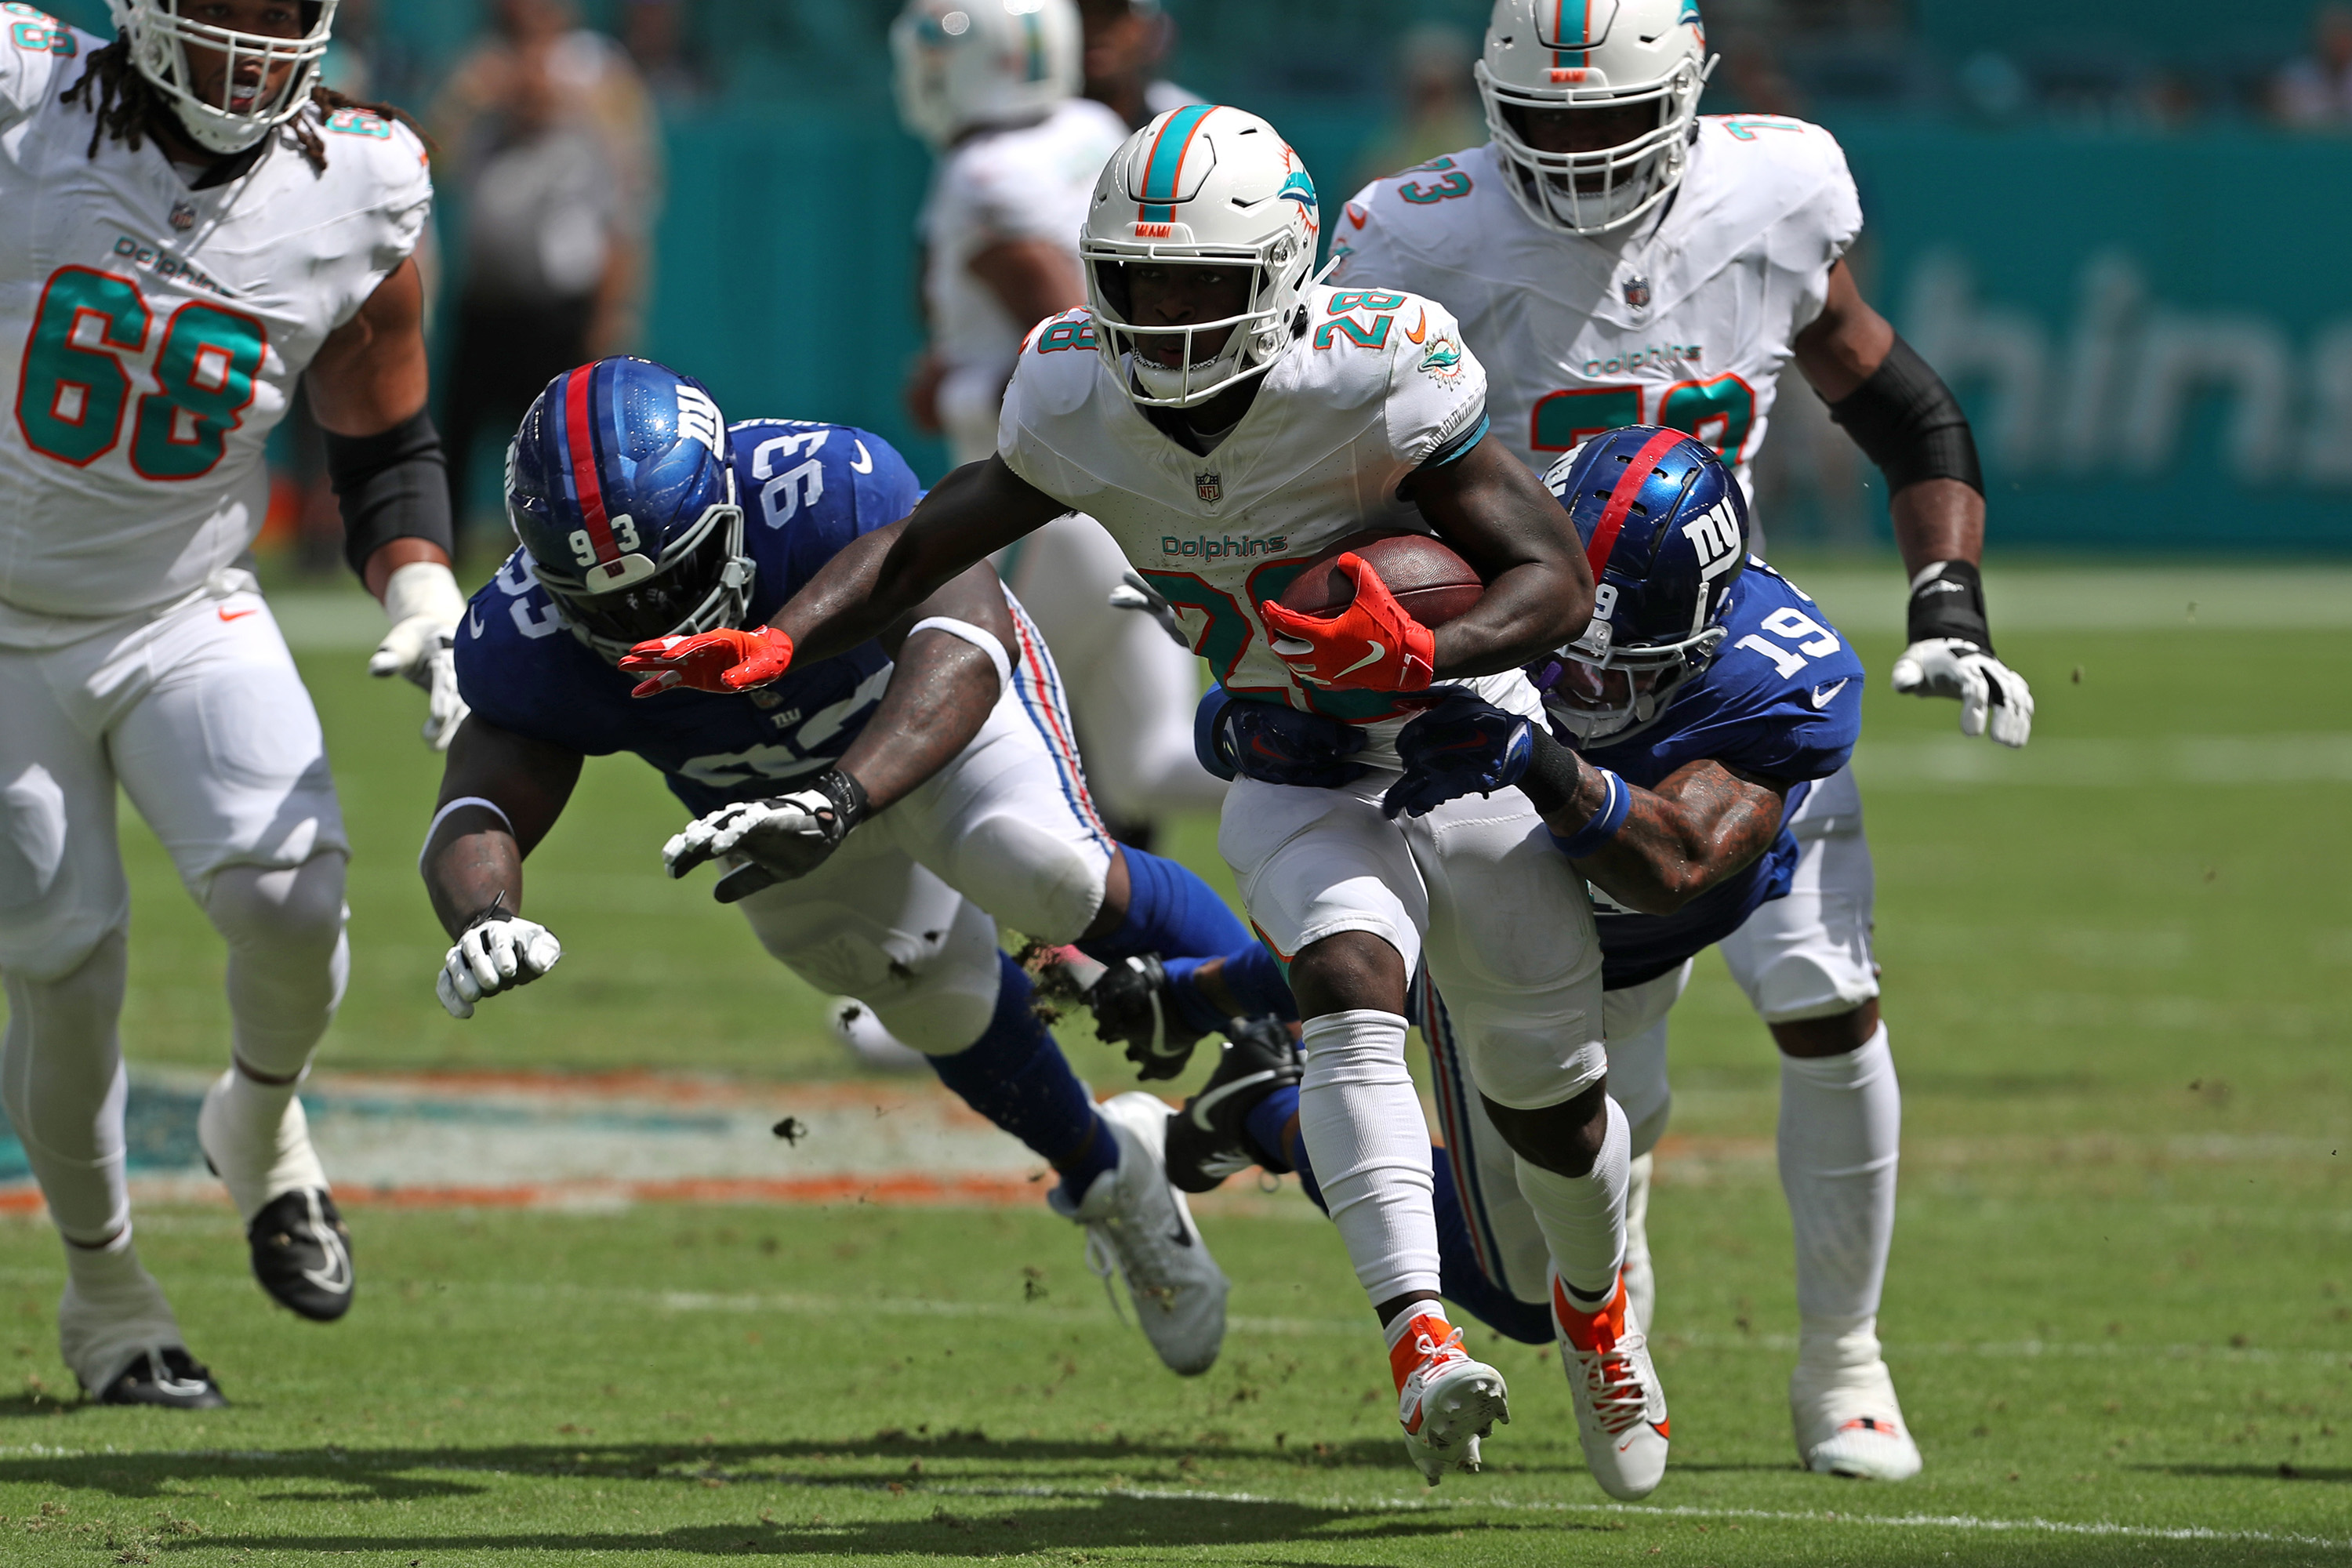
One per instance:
(1032, 31)
(1167, 161)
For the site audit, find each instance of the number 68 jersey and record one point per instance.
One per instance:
(151, 333)
(1686, 323)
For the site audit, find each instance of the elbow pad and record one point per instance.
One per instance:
(392, 485)
(1907, 422)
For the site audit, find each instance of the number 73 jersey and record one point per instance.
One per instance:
(1686, 324)
(151, 334)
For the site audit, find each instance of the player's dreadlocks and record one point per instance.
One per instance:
(122, 100)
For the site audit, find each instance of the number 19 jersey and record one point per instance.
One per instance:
(150, 333)
(1686, 323)
(1377, 385)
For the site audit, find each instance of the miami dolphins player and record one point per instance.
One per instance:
(1227, 418)
(992, 86)
(1688, 725)
(870, 813)
(1615, 257)
(192, 224)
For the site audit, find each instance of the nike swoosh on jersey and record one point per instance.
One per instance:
(1420, 329)
(1377, 653)
(1823, 696)
(473, 622)
(228, 615)
(863, 462)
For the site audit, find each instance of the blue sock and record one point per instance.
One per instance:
(1460, 1278)
(1018, 1077)
(1251, 973)
(1171, 912)
(1264, 1124)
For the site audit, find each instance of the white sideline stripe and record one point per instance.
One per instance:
(1870, 601)
(1777, 1516)
(2059, 761)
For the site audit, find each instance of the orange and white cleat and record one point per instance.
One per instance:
(1445, 1400)
(1620, 1407)
(1848, 1421)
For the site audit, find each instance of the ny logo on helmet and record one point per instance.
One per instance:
(1210, 488)
(1715, 535)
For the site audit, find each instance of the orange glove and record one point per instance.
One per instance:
(1373, 645)
(724, 660)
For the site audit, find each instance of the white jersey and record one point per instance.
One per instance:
(152, 334)
(1379, 385)
(1686, 324)
(1032, 182)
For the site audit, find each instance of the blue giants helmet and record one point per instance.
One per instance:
(1664, 526)
(621, 488)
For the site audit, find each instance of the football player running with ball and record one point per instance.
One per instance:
(992, 85)
(1227, 418)
(1616, 259)
(870, 813)
(192, 225)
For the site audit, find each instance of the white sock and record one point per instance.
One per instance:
(258, 1139)
(1583, 1218)
(1360, 1119)
(112, 1312)
(1641, 1275)
(1841, 1125)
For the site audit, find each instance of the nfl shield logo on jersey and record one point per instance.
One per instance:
(1210, 488)
(1636, 289)
(184, 217)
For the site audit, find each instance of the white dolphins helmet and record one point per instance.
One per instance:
(964, 63)
(159, 39)
(1544, 55)
(1201, 185)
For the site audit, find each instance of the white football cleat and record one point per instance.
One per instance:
(1446, 1402)
(862, 1036)
(1848, 1422)
(1137, 1223)
(1621, 1407)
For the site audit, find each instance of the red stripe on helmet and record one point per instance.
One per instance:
(579, 428)
(1621, 499)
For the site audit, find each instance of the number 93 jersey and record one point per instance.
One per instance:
(151, 333)
(1685, 325)
(1378, 385)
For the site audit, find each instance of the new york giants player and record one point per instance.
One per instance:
(870, 813)
(1227, 418)
(1704, 703)
(192, 224)
(992, 85)
(1615, 257)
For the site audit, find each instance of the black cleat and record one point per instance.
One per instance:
(302, 1254)
(170, 1377)
(1132, 1005)
(1207, 1141)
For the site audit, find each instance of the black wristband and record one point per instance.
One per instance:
(848, 797)
(1907, 422)
(1947, 601)
(1551, 779)
(392, 485)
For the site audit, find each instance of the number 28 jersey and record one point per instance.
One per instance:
(151, 333)
(1378, 385)
(1688, 324)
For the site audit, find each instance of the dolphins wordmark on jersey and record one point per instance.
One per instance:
(807, 489)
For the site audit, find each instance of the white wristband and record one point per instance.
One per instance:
(979, 636)
(442, 816)
(423, 588)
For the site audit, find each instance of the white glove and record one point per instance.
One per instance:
(1989, 691)
(787, 835)
(425, 605)
(1134, 594)
(500, 953)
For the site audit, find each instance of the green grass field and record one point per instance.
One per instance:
(2116, 974)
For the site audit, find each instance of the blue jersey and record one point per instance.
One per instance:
(1782, 699)
(807, 489)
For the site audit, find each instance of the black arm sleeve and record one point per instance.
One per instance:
(1907, 422)
(1550, 783)
(391, 486)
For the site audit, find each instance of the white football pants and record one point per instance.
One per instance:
(197, 713)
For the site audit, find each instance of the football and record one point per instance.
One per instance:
(1429, 580)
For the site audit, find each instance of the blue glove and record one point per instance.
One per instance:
(1271, 744)
(1462, 744)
